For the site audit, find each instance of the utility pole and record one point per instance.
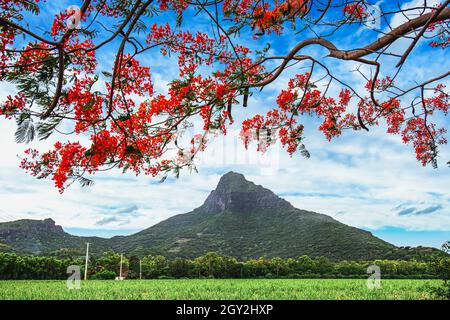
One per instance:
(87, 259)
(121, 260)
(140, 269)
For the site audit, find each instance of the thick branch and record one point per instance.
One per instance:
(356, 54)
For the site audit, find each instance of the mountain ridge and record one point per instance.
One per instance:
(238, 218)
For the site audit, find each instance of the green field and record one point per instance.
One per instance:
(219, 289)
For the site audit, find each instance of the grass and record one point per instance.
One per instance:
(198, 289)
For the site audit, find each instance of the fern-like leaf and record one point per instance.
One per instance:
(25, 132)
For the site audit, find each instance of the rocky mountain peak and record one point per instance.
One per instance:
(50, 224)
(237, 194)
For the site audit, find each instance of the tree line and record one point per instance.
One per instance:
(210, 265)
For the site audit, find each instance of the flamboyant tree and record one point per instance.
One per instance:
(63, 91)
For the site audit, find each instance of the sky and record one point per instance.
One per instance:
(364, 179)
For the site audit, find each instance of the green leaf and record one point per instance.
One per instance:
(107, 74)
(123, 117)
(84, 182)
(25, 132)
(179, 19)
(45, 129)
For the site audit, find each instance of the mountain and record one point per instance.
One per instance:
(42, 237)
(245, 220)
(238, 219)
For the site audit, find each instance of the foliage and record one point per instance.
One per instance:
(129, 125)
(110, 262)
(154, 267)
(211, 265)
(4, 247)
(13, 266)
(104, 275)
(441, 266)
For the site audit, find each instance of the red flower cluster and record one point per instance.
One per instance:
(441, 33)
(380, 84)
(355, 11)
(176, 5)
(66, 160)
(264, 17)
(424, 137)
(302, 98)
(132, 127)
(13, 104)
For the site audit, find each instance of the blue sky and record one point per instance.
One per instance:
(366, 179)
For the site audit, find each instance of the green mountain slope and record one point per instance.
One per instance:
(244, 220)
(43, 237)
(238, 219)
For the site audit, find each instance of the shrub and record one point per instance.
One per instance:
(104, 275)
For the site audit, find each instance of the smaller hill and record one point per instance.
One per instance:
(42, 237)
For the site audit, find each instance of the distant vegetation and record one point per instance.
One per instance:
(4, 247)
(213, 265)
(442, 268)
